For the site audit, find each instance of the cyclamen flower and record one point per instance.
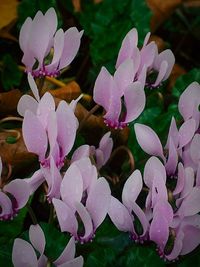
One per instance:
(13, 197)
(121, 213)
(122, 99)
(84, 195)
(24, 254)
(37, 38)
(147, 59)
(100, 154)
(47, 131)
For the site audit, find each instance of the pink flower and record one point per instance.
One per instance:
(122, 99)
(37, 38)
(84, 195)
(146, 60)
(24, 254)
(100, 154)
(121, 213)
(13, 197)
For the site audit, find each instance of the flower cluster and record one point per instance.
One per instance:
(80, 196)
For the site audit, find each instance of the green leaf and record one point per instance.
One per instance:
(185, 80)
(11, 140)
(10, 74)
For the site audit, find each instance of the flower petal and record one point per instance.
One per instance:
(77, 262)
(71, 46)
(33, 87)
(45, 106)
(195, 148)
(81, 152)
(27, 102)
(191, 239)
(120, 216)
(132, 188)
(67, 254)
(37, 238)
(71, 188)
(172, 160)
(34, 135)
(180, 180)
(23, 254)
(134, 97)
(173, 134)
(186, 132)
(148, 140)
(98, 201)
(20, 190)
(66, 217)
(6, 210)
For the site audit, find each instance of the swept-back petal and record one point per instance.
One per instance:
(77, 262)
(6, 206)
(81, 152)
(180, 180)
(34, 135)
(23, 254)
(51, 20)
(173, 134)
(124, 76)
(67, 126)
(71, 188)
(67, 254)
(45, 106)
(24, 34)
(195, 148)
(148, 140)
(161, 74)
(33, 87)
(98, 201)
(37, 238)
(142, 217)
(132, 188)
(172, 159)
(120, 216)
(66, 218)
(20, 190)
(165, 56)
(71, 46)
(129, 42)
(102, 88)
(106, 145)
(186, 132)
(27, 102)
(135, 100)
(191, 239)
(189, 101)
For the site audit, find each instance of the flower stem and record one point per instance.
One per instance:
(31, 213)
(93, 110)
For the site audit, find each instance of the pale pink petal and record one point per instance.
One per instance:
(142, 217)
(39, 45)
(33, 87)
(172, 159)
(189, 101)
(52, 130)
(56, 179)
(34, 135)
(46, 105)
(98, 201)
(180, 180)
(120, 216)
(161, 74)
(163, 208)
(51, 20)
(20, 190)
(106, 145)
(88, 172)
(135, 99)
(71, 188)
(129, 43)
(23, 254)
(71, 46)
(67, 126)
(102, 88)
(159, 190)
(35, 180)
(77, 262)
(37, 238)
(81, 152)
(198, 176)
(67, 254)
(191, 239)
(189, 181)
(27, 102)
(74, 103)
(186, 132)
(132, 188)
(159, 230)
(173, 134)
(195, 148)
(5, 205)
(191, 204)
(148, 140)
(66, 217)
(99, 158)
(87, 222)
(153, 169)
(124, 76)
(57, 53)
(146, 39)
(165, 56)
(148, 53)
(24, 34)
(178, 243)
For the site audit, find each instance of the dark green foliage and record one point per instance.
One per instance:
(10, 73)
